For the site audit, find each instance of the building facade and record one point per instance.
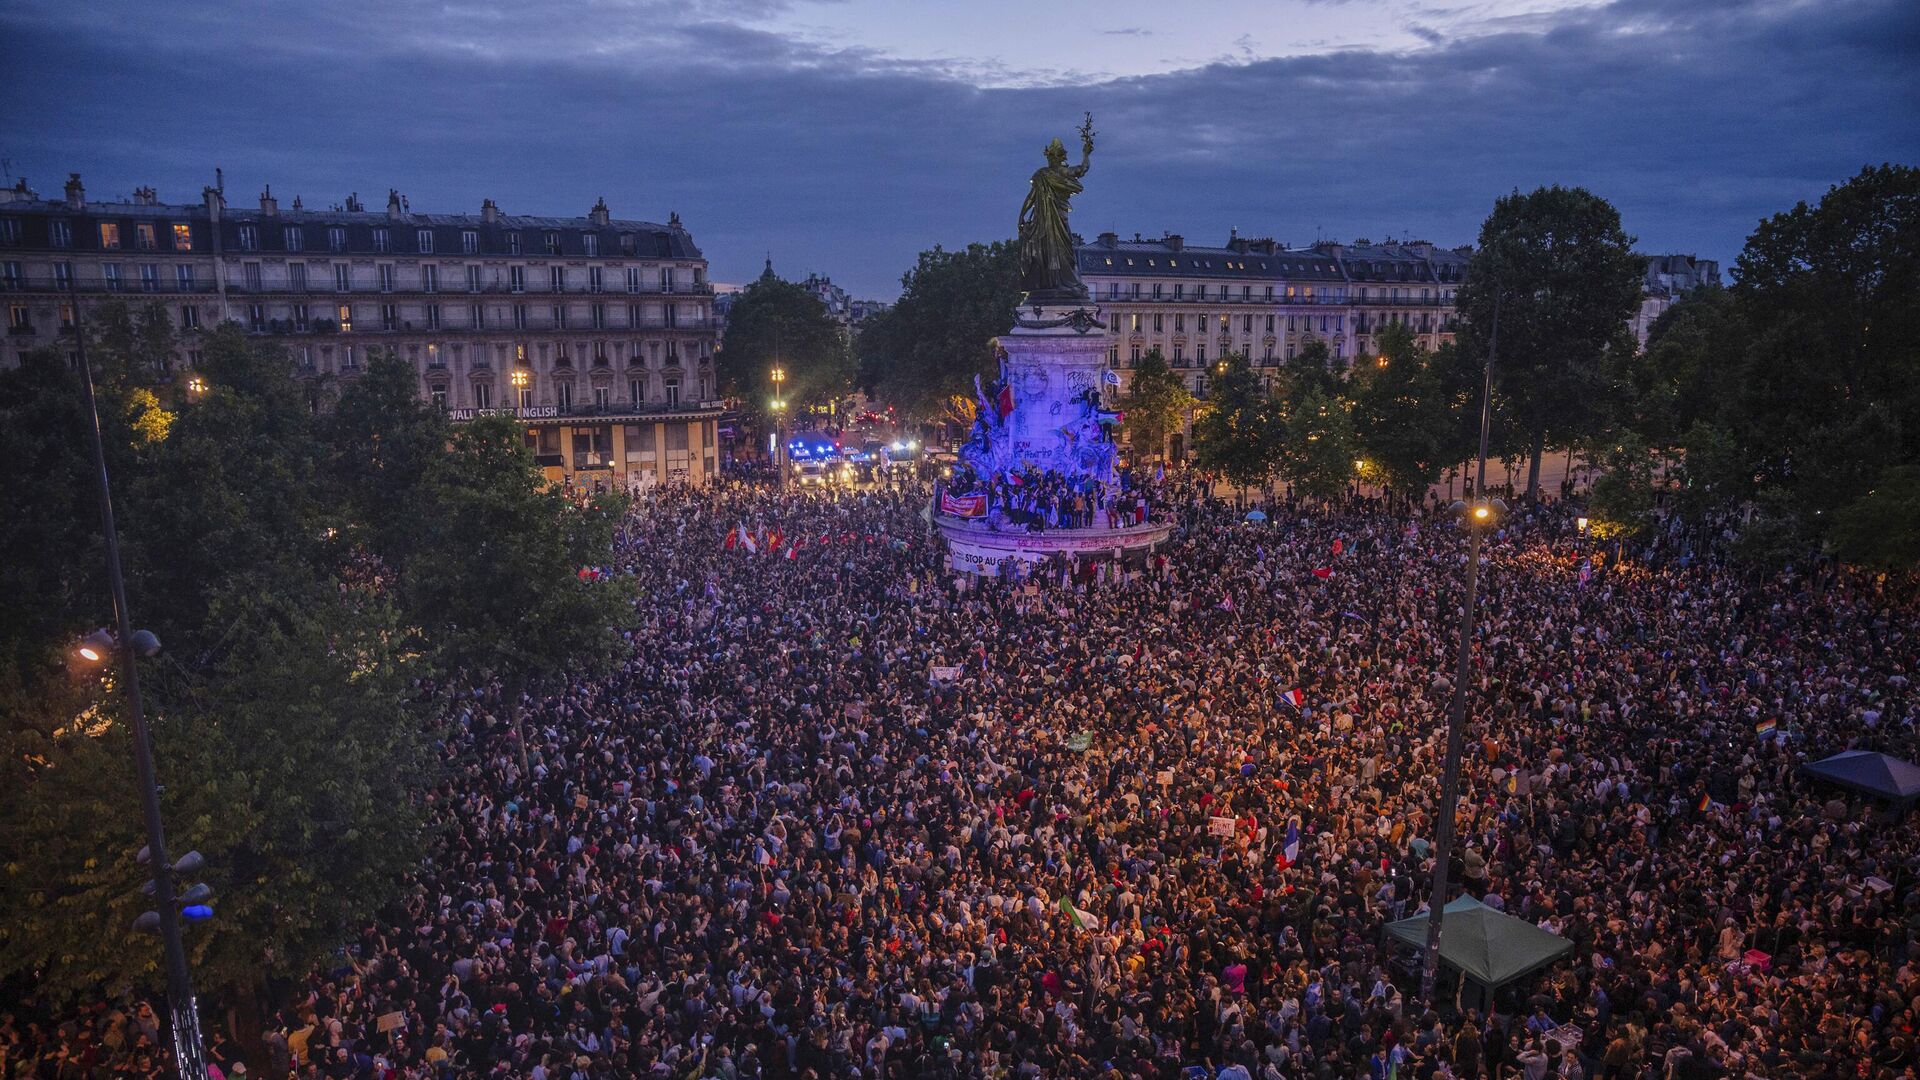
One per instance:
(596, 332)
(1669, 277)
(1263, 300)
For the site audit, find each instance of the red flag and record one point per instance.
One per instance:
(791, 552)
(1337, 545)
(733, 538)
(1323, 572)
(1004, 403)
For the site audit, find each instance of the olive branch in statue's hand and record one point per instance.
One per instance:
(1086, 135)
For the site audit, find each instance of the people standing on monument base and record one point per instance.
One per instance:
(784, 839)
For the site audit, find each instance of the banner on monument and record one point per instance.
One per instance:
(966, 506)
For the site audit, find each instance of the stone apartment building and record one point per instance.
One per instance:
(596, 332)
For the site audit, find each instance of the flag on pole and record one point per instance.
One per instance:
(1294, 698)
(793, 552)
(1004, 402)
(1323, 572)
(1706, 803)
(1766, 727)
(1290, 849)
(747, 541)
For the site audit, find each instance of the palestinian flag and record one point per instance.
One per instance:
(1081, 920)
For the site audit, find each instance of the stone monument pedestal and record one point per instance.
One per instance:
(1055, 374)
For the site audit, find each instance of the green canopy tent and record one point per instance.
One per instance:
(1488, 947)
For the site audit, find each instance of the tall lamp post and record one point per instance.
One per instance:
(779, 377)
(1479, 515)
(188, 1054)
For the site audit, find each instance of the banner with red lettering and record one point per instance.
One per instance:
(964, 505)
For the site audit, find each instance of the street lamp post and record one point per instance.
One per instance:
(188, 1054)
(520, 378)
(1479, 515)
(779, 377)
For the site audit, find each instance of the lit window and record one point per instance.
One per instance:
(109, 236)
(183, 238)
(346, 318)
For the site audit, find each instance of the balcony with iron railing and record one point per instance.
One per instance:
(453, 287)
(615, 412)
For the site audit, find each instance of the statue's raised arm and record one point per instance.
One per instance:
(1048, 272)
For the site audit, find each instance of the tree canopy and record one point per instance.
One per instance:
(304, 574)
(779, 323)
(925, 350)
(1154, 405)
(1566, 281)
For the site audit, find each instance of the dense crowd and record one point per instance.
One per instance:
(773, 843)
(1041, 499)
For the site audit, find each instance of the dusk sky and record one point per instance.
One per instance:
(844, 137)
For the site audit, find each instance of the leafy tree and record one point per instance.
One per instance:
(1622, 503)
(1881, 530)
(1321, 446)
(381, 441)
(1689, 370)
(1154, 404)
(287, 751)
(1403, 417)
(1238, 434)
(1567, 280)
(495, 585)
(775, 322)
(926, 348)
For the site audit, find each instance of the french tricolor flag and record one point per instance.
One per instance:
(1294, 698)
(1290, 851)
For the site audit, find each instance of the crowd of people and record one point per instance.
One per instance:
(1040, 499)
(845, 815)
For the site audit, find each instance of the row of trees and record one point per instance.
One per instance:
(1781, 410)
(313, 575)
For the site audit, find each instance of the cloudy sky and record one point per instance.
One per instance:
(843, 137)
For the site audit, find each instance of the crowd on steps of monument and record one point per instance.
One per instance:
(1040, 499)
(1102, 841)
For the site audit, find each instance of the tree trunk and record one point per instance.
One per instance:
(247, 1026)
(1533, 468)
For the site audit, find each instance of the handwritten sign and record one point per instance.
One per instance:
(941, 674)
(1221, 827)
(389, 1021)
(580, 801)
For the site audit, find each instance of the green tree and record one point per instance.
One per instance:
(775, 322)
(494, 585)
(925, 350)
(281, 731)
(1321, 446)
(1622, 503)
(1403, 417)
(1238, 433)
(1154, 404)
(381, 443)
(1881, 530)
(1567, 281)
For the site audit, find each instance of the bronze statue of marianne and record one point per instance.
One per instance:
(1048, 271)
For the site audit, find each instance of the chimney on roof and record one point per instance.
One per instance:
(1176, 241)
(673, 219)
(393, 204)
(353, 204)
(599, 214)
(1136, 238)
(1108, 239)
(269, 205)
(19, 192)
(76, 192)
(296, 204)
(216, 202)
(144, 196)
(489, 211)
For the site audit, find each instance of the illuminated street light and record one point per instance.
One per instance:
(196, 385)
(1581, 523)
(520, 378)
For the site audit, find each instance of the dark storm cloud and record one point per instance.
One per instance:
(1695, 118)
